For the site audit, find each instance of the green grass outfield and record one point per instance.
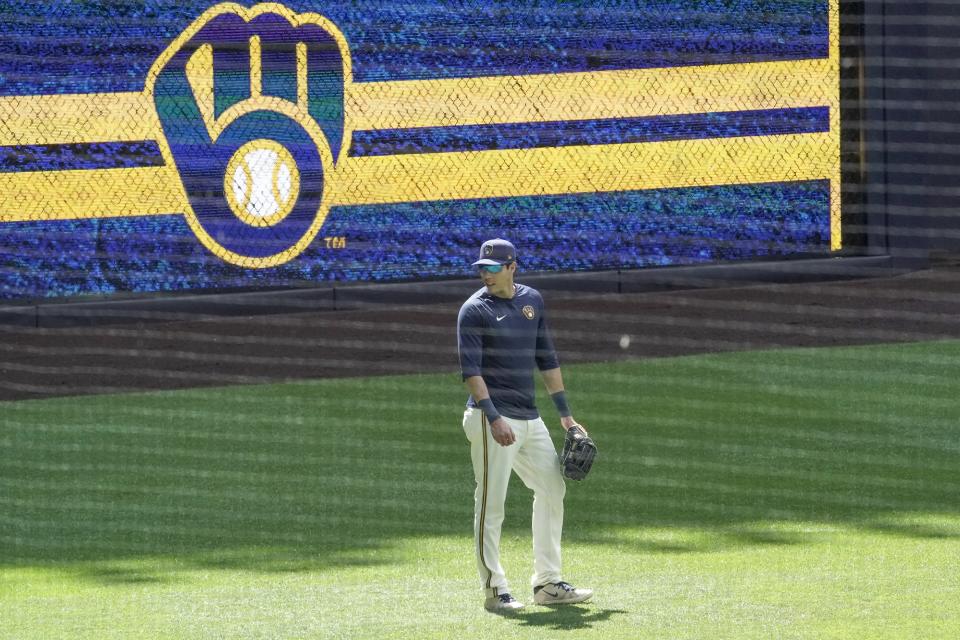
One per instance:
(770, 494)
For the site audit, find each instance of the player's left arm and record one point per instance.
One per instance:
(549, 365)
(553, 380)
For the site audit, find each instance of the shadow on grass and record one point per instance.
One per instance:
(713, 539)
(565, 618)
(163, 568)
(117, 576)
(918, 531)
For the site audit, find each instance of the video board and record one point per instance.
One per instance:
(171, 146)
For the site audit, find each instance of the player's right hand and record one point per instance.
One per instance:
(502, 432)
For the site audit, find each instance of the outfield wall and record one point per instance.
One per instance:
(151, 146)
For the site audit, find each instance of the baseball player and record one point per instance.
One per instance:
(502, 338)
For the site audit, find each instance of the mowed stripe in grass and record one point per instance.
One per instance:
(800, 434)
(797, 493)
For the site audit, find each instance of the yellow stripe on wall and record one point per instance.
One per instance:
(452, 176)
(65, 119)
(621, 167)
(610, 94)
(831, 90)
(99, 193)
(463, 101)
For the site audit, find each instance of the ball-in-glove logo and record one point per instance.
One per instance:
(251, 102)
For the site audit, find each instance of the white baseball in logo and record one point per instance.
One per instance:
(262, 183)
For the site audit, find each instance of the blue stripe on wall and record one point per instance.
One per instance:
(87, 47)
(95, 155)
(114, 155)
(590, 132)
(570, 232)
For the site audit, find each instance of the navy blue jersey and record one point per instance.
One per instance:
(505, 341)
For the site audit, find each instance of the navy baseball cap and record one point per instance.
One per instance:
(496, 251)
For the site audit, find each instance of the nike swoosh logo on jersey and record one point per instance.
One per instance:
(499, 318)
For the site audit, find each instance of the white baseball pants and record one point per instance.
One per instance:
(534, 458)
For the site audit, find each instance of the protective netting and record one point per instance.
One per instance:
(778, 445)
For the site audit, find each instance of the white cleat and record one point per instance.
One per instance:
(503, 603)
(560, 593)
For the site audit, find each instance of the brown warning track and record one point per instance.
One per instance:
(382, 339)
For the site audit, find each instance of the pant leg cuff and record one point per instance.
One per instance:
(493, 592)
(539, 582)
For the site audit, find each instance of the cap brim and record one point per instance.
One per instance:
(487, 261)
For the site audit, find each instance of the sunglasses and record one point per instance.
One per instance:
(492, 268)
